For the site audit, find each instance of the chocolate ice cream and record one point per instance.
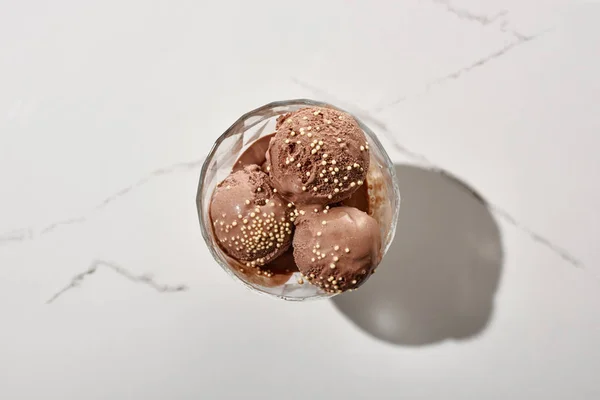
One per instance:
(251, 222)
(307, 184)
(337, 249)
(318, 156)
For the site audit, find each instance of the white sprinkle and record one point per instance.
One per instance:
(362, 148)
(347, 250)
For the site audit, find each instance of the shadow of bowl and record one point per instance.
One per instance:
(440, 276)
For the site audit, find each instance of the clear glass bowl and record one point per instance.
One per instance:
(384, 194)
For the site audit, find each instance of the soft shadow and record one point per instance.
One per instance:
(440, 276)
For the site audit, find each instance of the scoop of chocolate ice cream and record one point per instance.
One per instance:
(318, 156)
(337, 249)
(250, 221)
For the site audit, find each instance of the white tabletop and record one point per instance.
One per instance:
(489, 109)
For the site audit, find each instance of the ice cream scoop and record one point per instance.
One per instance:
(337, 249)
(251, 222)
(318, 156)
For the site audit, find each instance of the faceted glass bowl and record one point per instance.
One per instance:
(384, 193)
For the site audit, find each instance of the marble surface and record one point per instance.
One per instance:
(489, 109)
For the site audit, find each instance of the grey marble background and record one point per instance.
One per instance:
(488, 108)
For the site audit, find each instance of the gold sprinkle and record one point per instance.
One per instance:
(325, 155)
(347, 250)
(330, 197)
(316, 113)
(287, 141)
(362, 148)
(247, 201)
(315, 189)
(336, 259)
(304, 117)
(336, 190)
(308, 173)
(332, 266)
(359, 183)
(301, 281)
(353, 184)
(309, 134)
(293, 133)
(324, 222)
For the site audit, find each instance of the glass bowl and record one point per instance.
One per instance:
(383, 194)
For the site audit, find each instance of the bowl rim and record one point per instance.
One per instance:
(200, 203)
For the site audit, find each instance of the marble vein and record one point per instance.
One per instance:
(147, 280)
(468, 15)
(500, 212)
(484, 20)
(25, 234)
(463, 70)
